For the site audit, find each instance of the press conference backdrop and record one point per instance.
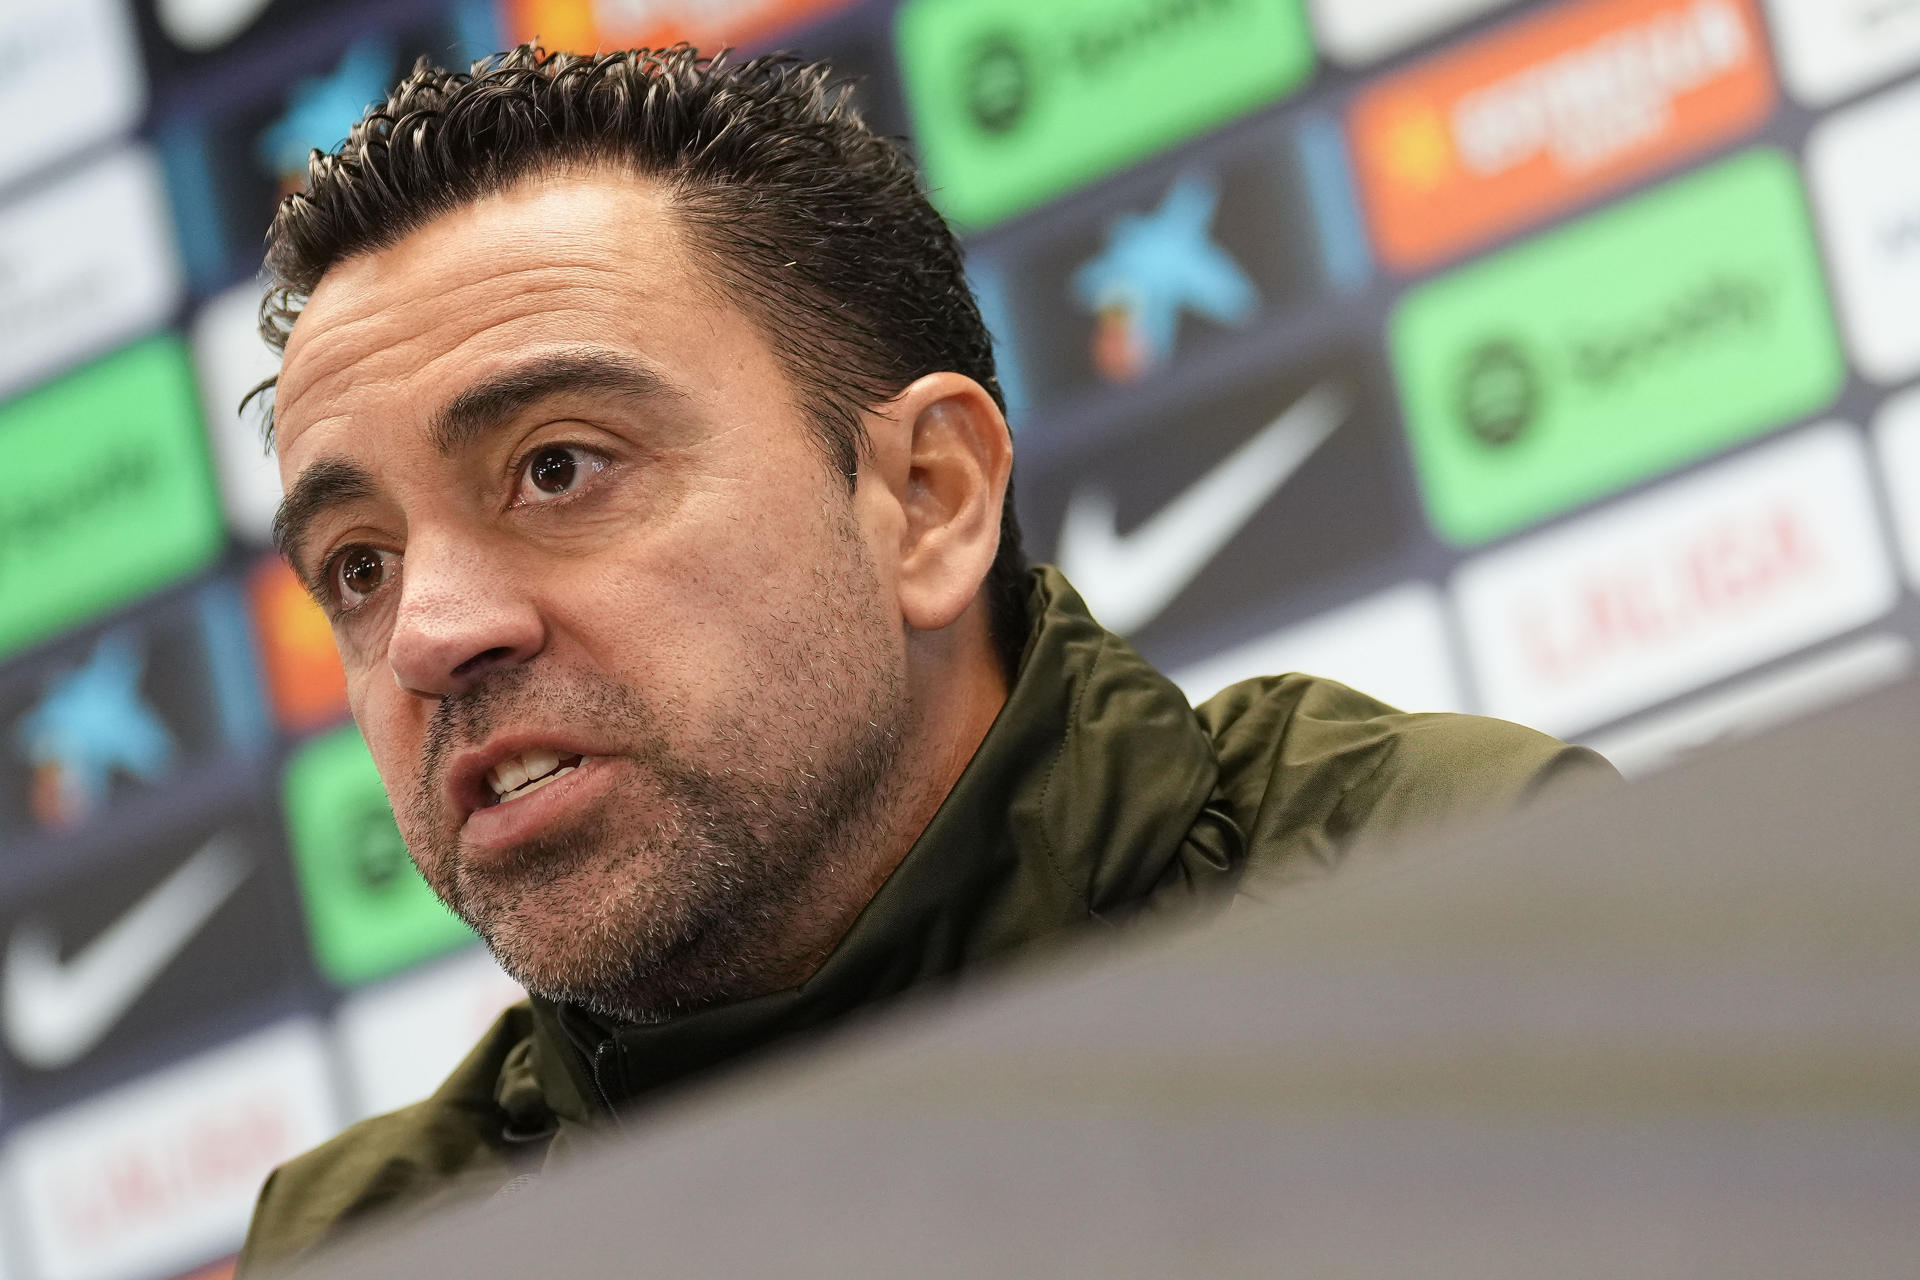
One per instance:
(1548, 360)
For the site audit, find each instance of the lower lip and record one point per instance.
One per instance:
(512, 822)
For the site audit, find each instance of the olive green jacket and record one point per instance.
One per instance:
(1098, 795)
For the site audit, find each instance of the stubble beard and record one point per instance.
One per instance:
(711, 870)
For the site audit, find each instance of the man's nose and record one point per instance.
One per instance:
(461, 615)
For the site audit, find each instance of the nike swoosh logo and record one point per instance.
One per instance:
(1127, 580)
(55, 1011)
(202, 25)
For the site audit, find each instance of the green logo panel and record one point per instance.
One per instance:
(108, 493)
(1638, 339)
(368, 910)
(1016, 101)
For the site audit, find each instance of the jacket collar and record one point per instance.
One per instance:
(1093, 790)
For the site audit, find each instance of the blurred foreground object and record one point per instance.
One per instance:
(1678, 1035)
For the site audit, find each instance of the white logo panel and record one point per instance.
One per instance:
(1355, 32)
(161, 1174)
(204, 25)
(80, 55)
(1868, 192)
(1392, 646)
(1897, 431)
(84, 265)
(403, 1039)
(1831, 48)
(232, 360)
(1695, 581)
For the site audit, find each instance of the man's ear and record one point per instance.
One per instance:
(942, 450)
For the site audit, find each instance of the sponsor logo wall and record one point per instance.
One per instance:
(1554, 360)
(214, 951)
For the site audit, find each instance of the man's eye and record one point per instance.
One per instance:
(358, 572)
(554, 471)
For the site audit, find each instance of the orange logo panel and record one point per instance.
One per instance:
(1548, 111)
(304, 678)
(222, 1270)
(586, 26)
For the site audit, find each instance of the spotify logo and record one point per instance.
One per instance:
(1015, 102)
(999, 84)
(1499, 393)
(1613, 348)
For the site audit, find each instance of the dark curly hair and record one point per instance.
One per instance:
(819, 228)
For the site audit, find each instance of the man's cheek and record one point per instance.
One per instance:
(393, 742)
(360, 703)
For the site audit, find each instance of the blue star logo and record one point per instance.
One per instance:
(91, 724)
(322, 109)
(1154, 267)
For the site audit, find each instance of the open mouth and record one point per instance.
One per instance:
(526, 773)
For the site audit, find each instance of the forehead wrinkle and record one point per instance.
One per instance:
(343, 349)
(497, 278)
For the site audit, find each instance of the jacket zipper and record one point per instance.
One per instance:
(605, 1056)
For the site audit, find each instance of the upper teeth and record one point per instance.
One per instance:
(536, 766)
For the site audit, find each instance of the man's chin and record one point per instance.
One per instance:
(512, 870)
(574, 923)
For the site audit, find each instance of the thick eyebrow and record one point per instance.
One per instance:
(497, 399)
(328, 483)
(488, 404)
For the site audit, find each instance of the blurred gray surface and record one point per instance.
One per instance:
(1671, 1031)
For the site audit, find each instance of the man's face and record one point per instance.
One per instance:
(621, 645)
